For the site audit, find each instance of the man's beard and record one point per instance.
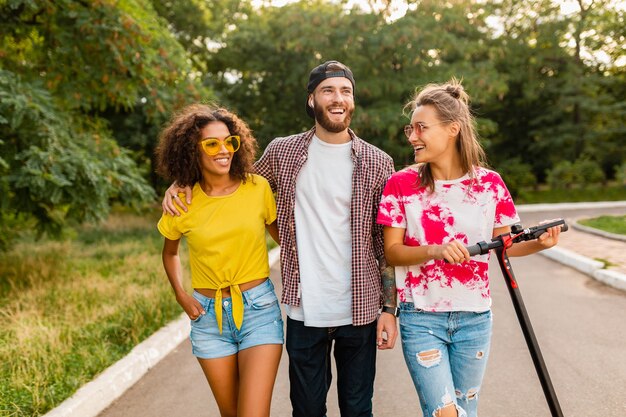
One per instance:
(326, 123)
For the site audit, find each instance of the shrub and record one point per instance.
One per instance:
(563, 175)
(620, 173)
(517, 175)
(589, 172)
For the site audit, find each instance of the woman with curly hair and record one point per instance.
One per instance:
(236, 324)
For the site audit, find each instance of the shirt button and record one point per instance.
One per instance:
(225, 303)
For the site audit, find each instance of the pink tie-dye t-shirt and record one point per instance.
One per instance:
(453, 211)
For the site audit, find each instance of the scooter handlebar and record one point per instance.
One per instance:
(534, 232)
(480, 248)
(531, 233)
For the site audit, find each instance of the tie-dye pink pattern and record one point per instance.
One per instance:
(462, 210)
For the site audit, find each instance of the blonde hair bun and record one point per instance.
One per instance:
(454, 90)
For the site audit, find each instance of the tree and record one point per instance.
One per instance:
(262, 67)
(558, 106)
(68, 68)
(433, 42)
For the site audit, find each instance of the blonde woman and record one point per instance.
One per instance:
(431, 211)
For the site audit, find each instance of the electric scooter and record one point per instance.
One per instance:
(500, 244)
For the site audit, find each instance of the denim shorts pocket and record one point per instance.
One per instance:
(264, 301)
(207, 305)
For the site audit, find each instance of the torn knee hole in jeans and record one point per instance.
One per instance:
(429, 358)
(472, 394)
(449, 409)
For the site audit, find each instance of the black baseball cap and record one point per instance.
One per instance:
(319, 74)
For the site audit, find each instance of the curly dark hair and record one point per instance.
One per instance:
(178, 153)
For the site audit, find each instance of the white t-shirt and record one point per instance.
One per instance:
(322, 215)
(456, 210)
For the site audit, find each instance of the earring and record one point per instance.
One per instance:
(310, 102)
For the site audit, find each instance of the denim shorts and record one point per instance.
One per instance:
(446, 354)
(262, 324)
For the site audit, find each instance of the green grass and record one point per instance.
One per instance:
(69, 309)
(270, 242)
(606, 263)
(611, 224)
(575, 194)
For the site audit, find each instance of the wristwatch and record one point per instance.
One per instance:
(391, 310)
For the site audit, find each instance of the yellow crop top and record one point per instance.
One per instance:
(226, 239)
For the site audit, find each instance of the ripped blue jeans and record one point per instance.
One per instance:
(446, 354)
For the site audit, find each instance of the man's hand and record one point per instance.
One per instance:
(386, 331)
(171, 201)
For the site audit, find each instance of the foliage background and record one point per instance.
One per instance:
(86, 86)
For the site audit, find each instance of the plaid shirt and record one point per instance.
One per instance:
(280, 164)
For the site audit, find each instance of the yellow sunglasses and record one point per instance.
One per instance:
(212, 146)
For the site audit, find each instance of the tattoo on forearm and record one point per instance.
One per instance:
(388, 278)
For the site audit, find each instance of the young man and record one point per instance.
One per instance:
(328, 183)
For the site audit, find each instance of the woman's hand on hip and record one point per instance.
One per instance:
(192, 307)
